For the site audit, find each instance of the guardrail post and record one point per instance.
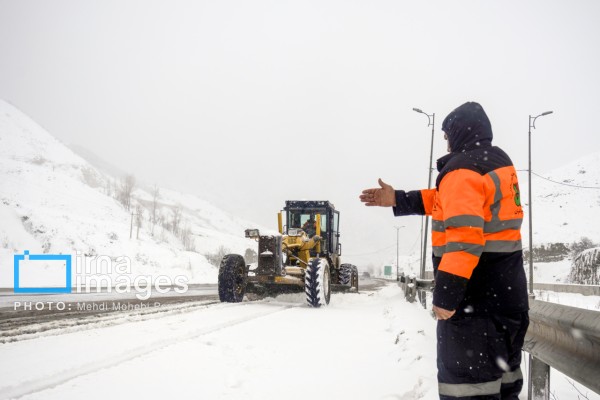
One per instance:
(409, 286)
(423, 298)
(413, 287)
(539, 380)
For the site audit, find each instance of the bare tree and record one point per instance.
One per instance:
(583, 396)
(176, 219)
(108, 188)
(164, 227)
(125, 191)
(139, 214)
(154, 206)
(216, 257)
(187, 238)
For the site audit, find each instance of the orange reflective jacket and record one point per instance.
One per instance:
(476, 239)
(473, 213)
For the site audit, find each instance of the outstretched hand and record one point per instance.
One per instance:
(385, 196)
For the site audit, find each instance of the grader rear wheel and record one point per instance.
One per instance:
(345, 274)
(354, 278)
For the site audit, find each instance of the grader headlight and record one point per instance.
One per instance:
(252, 233)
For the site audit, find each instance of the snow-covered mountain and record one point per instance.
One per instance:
(566, 211)
(566, 208)
(54, 201)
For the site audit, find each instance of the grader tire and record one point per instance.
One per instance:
(354, 278)
(233, 279)
(345, 274)
(317, 283)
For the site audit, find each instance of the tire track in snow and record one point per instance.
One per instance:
(64, 376)
(26, 328)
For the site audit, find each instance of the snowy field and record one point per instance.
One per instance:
(371, 345)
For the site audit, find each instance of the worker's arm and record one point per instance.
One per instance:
(414, 202)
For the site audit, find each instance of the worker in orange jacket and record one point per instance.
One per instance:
(480, 295)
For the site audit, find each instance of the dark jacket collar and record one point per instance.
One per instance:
(443, 161)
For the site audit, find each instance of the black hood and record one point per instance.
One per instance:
(467, 127)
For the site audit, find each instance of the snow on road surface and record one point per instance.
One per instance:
(371, 345)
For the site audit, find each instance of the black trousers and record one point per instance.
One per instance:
(479, 357)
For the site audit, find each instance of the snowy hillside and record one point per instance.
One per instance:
(53, 201)
(566, 206)
(564, 213)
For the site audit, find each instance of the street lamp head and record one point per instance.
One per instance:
(418, 110)
(532, 119)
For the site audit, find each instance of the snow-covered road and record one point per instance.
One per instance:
(371, 345)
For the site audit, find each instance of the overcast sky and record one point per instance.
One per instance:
(250, 103)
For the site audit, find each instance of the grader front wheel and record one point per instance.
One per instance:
(317, 283)
(233, 278)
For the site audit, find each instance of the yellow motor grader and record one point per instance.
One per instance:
(305, 255)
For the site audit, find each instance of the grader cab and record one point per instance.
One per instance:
(305, 255)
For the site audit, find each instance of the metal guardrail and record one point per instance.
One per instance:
(411, 285)
(562, 337)
(566, 339)
(586, 290)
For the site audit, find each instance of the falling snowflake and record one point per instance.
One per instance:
(502, 364)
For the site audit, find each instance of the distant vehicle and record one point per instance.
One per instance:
(306, 256)
(366, 274)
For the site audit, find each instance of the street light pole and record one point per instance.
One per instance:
(531, 125)
(430, 122)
